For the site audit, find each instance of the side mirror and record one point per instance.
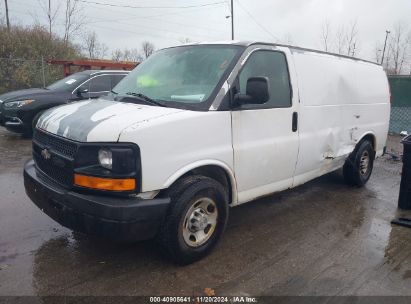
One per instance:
(257, 92)
(82, 91)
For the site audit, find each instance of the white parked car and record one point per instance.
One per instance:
(196, 129)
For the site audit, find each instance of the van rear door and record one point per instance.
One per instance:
(265, 141)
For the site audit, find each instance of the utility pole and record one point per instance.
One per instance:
(7, 15)
(232, 19)
(42, 70)
(49, 18)
(385, 44)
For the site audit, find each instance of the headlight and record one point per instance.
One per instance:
(105, 157)
(113, 166)
(18, 103)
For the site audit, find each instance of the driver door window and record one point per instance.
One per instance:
(100, 84)
(273, 65)
(97, 86)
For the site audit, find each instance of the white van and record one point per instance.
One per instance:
(196, 129)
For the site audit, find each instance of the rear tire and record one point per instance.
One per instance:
(358, 166)
(196, 219)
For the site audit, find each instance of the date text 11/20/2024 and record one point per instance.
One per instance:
(204, 299)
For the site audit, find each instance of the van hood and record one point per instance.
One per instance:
(98, 120)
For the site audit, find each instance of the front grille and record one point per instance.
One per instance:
(60, 145)
(60, 175)
(59, 166)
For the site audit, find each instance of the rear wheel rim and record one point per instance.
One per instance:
(364, 163)
(200, 222)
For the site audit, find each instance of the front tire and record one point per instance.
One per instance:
(358, 166)
(196, 220)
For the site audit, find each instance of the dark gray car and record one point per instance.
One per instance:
(20, 109)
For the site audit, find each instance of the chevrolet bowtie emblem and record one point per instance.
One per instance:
(46, 154)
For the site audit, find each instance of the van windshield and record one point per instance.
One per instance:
(186, 75)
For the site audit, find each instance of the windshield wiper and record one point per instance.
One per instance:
(145, 98)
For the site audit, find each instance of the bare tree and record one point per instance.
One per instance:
(388, 60)
(50, 12)
(340, 40)
(398, 49)
(93, 47)
(91, 44)
(147, 48)
(134, 55)
(346, 39)
(351, 39)
(2, 19)
(185, 40)
(73, 19)
(117, 55)
(325, 35)
(103, 50)
(126, 55)
(377, 52)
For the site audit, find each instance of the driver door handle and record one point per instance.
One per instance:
(295, 122)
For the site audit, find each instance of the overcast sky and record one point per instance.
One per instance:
(296, 21)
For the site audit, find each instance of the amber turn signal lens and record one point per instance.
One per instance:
(104, 183)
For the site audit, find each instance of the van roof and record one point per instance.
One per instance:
(248, 43)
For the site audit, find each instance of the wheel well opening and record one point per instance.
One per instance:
(215, 172)
(371, 138)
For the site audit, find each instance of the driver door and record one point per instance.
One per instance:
(265, 137)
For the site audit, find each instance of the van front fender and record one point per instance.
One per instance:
(204, 163)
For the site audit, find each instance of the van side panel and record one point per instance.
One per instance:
(341, 100)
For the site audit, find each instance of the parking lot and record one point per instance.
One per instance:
(323, 238)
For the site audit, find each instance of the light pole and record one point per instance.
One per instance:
(7, 15)
(385, 44)
(232, 19)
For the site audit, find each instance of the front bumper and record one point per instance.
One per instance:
(117, 218)
(15, 120)
(14, 124)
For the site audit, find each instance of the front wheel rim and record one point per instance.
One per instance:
(364, 163)
(200, 222)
